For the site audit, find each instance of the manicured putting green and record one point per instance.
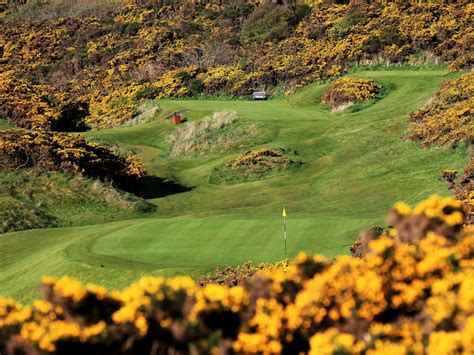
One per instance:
(116, 253)
(355, 167)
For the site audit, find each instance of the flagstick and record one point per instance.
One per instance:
(285, 216)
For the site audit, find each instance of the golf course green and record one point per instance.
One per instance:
(356, 164)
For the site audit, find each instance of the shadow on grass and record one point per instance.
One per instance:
(156, 187)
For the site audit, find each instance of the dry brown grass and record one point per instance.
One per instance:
(342, 108)
(217, 133)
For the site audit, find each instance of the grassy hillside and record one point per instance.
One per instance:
(355, 167)
(43, 200)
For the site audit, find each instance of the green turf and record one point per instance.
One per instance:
(355, 167)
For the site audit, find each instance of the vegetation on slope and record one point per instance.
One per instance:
(36, 107)
(48, 151)
(463, 187)
(347, 91)
(255, 165)
(218, 133)
(448, 119)
(412, 293)
(17, 216)
(39, 200)
(101, 66)
(237, 275)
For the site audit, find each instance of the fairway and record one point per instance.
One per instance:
(355, 167)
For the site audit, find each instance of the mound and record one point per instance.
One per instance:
(344, 92)
(17, 216)
(447, 120)
(411, 294)
(30, 200)
(216, 134)
(46, 151)
(255, 165)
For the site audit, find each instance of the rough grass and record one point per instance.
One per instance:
(31, 200)
(342, 107)
(218, 133)
(356, 167)
(16, 216)
(147, 111)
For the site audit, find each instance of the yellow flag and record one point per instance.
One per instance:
(285, 215)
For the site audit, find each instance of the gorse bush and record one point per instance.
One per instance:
(47, 151)
(113, 55)
(259, 156)
(463, 187)
(448, 119)
(464, 190)
(411, 293)
(34, 107)
(254, 165)
(348, 91)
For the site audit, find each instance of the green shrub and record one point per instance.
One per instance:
(272, 23)
(195, 87)
(148, 92)
(234, 11)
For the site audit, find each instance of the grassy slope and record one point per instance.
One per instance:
(355, 167)
(72, 200)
